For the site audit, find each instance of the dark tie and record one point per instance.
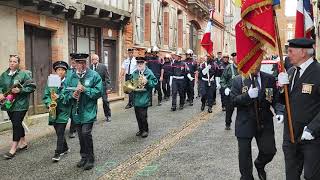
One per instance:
(129, 68)
(297, 76)
(95, 67)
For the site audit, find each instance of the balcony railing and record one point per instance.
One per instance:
(200, 7)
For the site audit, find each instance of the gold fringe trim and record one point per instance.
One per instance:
(249, 56)
(255, 6)
(253, 68)
(262, 32)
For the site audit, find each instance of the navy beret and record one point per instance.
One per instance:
(301, 43)
(60, 64)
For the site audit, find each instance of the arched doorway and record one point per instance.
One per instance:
(193, 36)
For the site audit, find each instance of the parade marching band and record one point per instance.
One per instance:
(72, 93)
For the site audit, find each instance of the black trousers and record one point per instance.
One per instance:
(62, 145)
(142, 118)
(302, 155)
(158, 89)
(128, 77)
(267, 150)
(207, 92)
(223, 97)
(178, 86)
(166, 87)
(73, 127)
(189, 89)
(16, 118)
(86, 142)
(229, 110)
(105, 101)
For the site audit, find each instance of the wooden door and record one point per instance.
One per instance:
(110, 60)
(39, 61)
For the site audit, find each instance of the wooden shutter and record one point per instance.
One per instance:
(160, 25)
(154, 21)
(137, 22)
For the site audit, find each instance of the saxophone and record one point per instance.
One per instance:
(53, 105)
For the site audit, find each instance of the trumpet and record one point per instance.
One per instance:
(53, 105)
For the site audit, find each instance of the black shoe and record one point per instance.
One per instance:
(180, 107)
(214, 102)
(65, 152)
(56, 157)
(203, 105)
(82, 162)
(191, 103)
(261, 172)
(159, 103)
(173, 109)
(138, 133)
(227, 128)
(128, 106)
(210, 110)
(22, 148)
(223, 108)
(72, 135)
(8, 155)
(144, 134)
(108, 119)
(89, 165)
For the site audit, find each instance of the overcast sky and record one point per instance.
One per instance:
(291, 7)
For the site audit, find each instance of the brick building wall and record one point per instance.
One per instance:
(173, 31)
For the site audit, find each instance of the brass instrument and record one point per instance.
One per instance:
(53, 105)
(137, 84)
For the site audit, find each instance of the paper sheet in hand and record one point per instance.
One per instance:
(54, 80)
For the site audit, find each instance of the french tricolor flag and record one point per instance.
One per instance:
(304, 19)
(206, 42)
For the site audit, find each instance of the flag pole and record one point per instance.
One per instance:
(286, 91)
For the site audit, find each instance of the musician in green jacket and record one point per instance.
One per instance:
(58, 101)
(15, 88)
(141, 97)
(88, 89)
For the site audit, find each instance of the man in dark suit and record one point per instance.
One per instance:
(253, 97)
(304, 95)
(102, 70)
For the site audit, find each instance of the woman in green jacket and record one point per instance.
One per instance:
(15, 89)
(58, 101)
(141, 97)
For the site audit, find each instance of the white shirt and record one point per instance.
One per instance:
(303, 67)
(126, 64)
(11, 73)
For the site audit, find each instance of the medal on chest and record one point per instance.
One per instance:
(307, 88)
(269, 94)
(245, 89)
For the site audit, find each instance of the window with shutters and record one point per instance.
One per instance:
(160, 25)
(154, 22)
(139, 22)
(173, 28)
(184, 23)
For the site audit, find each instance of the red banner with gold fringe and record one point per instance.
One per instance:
(254, 33)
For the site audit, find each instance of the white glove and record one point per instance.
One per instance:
(253, 92)
(306, 135)
(170, 80)
(212, 78)
(190, 77)
(283, 78)
(280, 119)
(206, 70)
(218, 82)
(227, 91)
